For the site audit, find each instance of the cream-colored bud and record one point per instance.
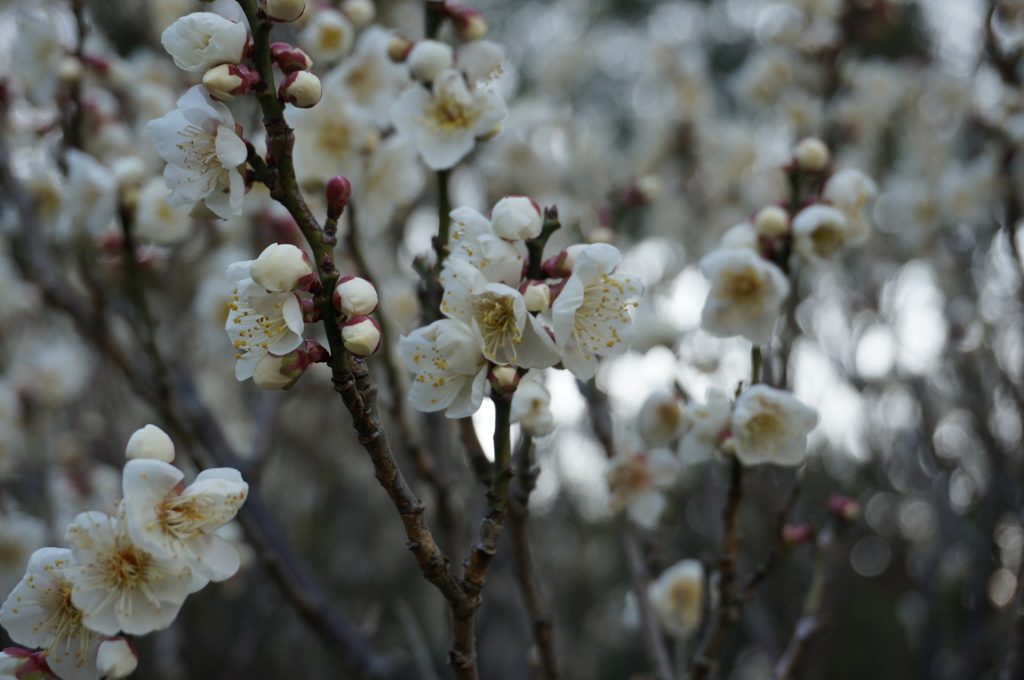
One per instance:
(537, 297)
(428, 59)
(771, 221)
(281, 267)
(811, 154)
(116, 658)
(398, 48)
(285, 11)
(504, 379)
(360, 12)
(223, 84)
(361, 336)
(150, 442)
(354, 297)
(516, 218)
(301, 89)
(649, 187)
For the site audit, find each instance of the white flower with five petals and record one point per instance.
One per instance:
(203, 152)
(451, 371)
(201, 40)
(474, 241)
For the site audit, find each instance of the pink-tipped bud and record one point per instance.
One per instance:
(289, 58)
(399, 47)
(468, 23)
(116, 658)
(536, 295)
(228, 82)
(338, 191)
(503, 379)
(560, 266)
(29, 665)
(301, 89)
(275, 372)
(284, 11)
(361, 336)
(795, 534)
(310, 312)
(354, 297)
(843, 507)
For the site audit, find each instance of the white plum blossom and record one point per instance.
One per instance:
(660, 416)
(819, 231)
(203, 153)
(771, 426)
(445, 122)
(497, 313)
(116, 658)
(91, 193)
(704, 426)
(590, 314)
(638, 481)
(202, 40)
(39, 612)
(368, 78)
(260, 321)
(428, 59)
(531, 408)
(480, 60)
(473, 240)
(677, 597)
(746, 294)
(851, 191)
(174, 524)
(328, 36)
(516, 218)
(281, 267)
(155, 220)
(451, 371)
(117, 585)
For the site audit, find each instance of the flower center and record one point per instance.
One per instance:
(200, 148)
(497, 318)
(827, 239)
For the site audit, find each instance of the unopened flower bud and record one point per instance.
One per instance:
(537, 296)
(468, 23)
(338, 191)
(301, 89)
(361, 336)
(116, 658)
(398, 48)
(227, 82)
(284, 11)
(281, 267)
(289, 58)
(360, 12)
(503, 379)
(771, 222)
(811, 154)
(843, 507)
(25, 665)
(560, 266)
(517, 218)
(795, 534)
(354, 297)
(274, 372)
(428, 59)
(649, 188)
(150, 442)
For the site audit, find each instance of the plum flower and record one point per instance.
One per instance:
(203, 153)
(118, 586)
(39, 613)
(451, 371)
(677, 597)
(638, 481)
(201, 40)
(474, 241)
(445, 122)
(179, 524)
(746, 294)
(260, 321)
(771, 426)
(497, 312)
(590, 314)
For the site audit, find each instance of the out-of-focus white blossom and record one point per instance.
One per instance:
(771, 426)
(328, 36)
(480, 61)
(155, 220)
(819, 232)
(677, 597)
(704, 426)
(531, 408)
(638, 481)
(851, 191)
(428, 59)
(660, 417)
(746, 294)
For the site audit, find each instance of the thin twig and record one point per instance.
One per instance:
(764, 569)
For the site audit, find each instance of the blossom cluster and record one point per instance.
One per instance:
(127, 572)
(500, 323)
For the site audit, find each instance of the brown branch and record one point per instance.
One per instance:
(764, 569)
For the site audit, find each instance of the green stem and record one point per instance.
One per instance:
(444, 222)
(502, 472)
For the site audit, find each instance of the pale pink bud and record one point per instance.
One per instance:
(503, 379)
(284, 11)
(517, 218)
(116, 658)
(301, 89)
(281, 267)
(227, 82)
(289, 58)
(361, 336)
(360, 12)
(468, 23)
(150, 442)
(281, 372)
(354, 297)
(537, 296)
(811, 154)
(428, 59)
(795, 534)
(771, 222)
